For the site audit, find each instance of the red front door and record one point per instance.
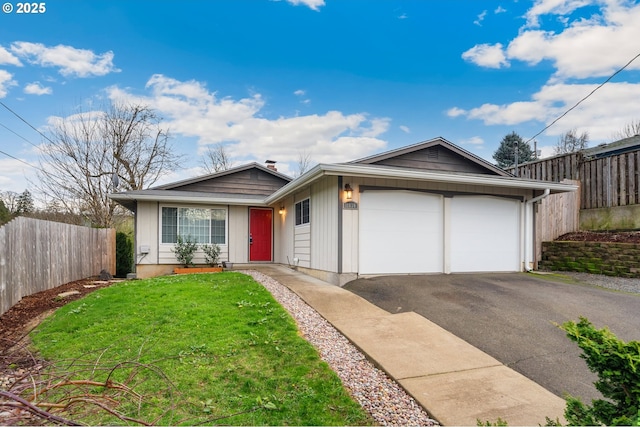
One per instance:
(260, 234)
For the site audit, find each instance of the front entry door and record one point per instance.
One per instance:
(260, 234)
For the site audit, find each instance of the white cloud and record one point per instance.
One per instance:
(499, 9)
(193, 111)
(607, 111)
(486, 55)
(456, 112)
(403, 16)
(481, 17)
(7, 57)
(6, 81)
(584, 50)
(312, 4)
(476, 141)
(553, 7)
(36, 88)
(299, 92)
(405, 129)
(71, 61)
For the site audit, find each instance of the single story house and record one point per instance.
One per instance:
(430, 207)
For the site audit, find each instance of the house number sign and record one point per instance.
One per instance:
(350, 205)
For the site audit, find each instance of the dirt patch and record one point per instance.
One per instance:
(20, 319)
(602, 236)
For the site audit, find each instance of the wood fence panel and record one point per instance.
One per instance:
(605, 182)
(37, 255)
(557, 214)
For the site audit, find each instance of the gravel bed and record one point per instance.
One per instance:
(610, 282)
(382, 397)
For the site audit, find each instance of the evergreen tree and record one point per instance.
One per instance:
(5, 215)
(505, 154)
(25, 203)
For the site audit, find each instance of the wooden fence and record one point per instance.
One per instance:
(605, 182)
(557, 214)
(37, 255)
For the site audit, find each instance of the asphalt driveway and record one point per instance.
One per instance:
(511, 317)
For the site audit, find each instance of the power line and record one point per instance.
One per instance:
(20, 160)
(18, 135)
(26, 122)
(583, 99)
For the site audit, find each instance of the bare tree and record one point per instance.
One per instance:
(10, 199)
(630, 129)
(571, 142)
(87, 151)
(303, 164)
(216, 159)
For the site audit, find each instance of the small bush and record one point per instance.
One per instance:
(185, 248)
(211, 254)
(124, 254)
(618, 367)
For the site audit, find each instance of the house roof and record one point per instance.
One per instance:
(438, 141)
(366, 167)
(613, 148)
(129, 198)
(230, 171)
(376, 171)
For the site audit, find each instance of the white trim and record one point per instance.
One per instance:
(375, 171)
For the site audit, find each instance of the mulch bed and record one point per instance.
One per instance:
(602, 236)
(18, 321)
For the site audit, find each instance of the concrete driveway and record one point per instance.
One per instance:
(510, 316)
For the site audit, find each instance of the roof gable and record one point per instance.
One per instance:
(436, 154)
(250, 179)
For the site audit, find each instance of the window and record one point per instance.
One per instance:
(302, 212)
(202, 225)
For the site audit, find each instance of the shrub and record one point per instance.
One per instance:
(184, 249)
(211, 254)
(124, 254)
(618, 367)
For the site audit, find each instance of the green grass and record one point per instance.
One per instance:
(196, 348)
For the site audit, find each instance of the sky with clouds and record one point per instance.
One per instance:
(332, 79)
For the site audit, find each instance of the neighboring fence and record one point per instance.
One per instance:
(37, 255)
(605, 182)
(557, 214)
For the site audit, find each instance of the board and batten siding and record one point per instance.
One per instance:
(283, 232)
(238, 234)
(147, 234)
(324, 224)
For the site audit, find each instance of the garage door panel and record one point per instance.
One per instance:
(485, 234)
(400, 232)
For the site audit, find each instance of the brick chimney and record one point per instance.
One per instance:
(271, 164)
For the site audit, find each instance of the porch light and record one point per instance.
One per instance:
(282, 210)
(348, 192)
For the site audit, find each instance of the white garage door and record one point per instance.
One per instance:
(400, 232)
(484, 234)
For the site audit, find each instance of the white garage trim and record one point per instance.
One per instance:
(400, 232)
(484, 234)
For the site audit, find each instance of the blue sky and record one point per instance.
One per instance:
(334, 79)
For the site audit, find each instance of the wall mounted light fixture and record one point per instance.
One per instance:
(281, 211)
(348, 192)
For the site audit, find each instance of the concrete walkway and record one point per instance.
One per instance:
(455, 382)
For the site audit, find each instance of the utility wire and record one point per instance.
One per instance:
(20, 160)
(583, 99)
(18, 135)
(26, 122)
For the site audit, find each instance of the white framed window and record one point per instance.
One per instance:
(302, 212)
(202, 225)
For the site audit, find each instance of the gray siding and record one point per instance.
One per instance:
(252, 181)
(238, 234)
(436, 158)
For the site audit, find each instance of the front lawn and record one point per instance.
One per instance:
(189, 349)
